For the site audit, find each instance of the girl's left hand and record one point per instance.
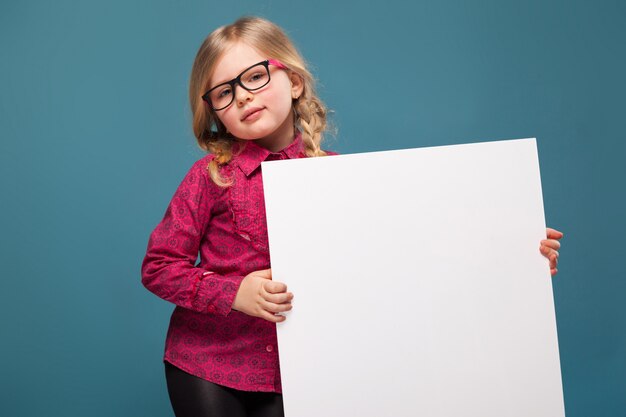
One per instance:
(550, 248)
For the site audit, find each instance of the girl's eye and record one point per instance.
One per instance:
(223, 93)
(256, 77)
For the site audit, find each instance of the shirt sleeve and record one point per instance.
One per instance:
(168, 269)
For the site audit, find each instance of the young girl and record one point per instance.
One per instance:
(252, 100)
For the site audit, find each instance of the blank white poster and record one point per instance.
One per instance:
(419, 289)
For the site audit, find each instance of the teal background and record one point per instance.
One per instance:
(95, 137)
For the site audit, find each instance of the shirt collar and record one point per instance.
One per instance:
(252, 154)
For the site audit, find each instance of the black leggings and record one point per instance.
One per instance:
(194, 397)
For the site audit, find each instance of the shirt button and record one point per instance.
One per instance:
(269, 348)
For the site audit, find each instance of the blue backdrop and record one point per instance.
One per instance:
(95, 137)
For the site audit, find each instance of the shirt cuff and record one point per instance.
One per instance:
(216, 293)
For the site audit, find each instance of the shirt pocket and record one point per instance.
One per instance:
(248, 209)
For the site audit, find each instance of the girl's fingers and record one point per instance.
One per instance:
(275, 303)
(549, 248)
(553, 233)
(551, 254)
(275, 308)
(274, 299)
(551, 243)
(280, 298)
(554, 260)
(274, 287)
(547, 251)
(272, 317)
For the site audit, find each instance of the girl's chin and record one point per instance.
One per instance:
(256, 135)
(252, 138)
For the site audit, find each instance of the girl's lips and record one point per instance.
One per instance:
(252, 114)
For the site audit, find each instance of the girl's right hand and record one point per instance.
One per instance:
(259, 296)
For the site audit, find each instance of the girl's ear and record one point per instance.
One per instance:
(297, 85)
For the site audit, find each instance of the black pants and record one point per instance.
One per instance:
(195, 397)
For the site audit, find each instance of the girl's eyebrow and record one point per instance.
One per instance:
(222, 82)
(243, 68)
(229, 79)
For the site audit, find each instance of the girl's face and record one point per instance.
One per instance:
(264, 115)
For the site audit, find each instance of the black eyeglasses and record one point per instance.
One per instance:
(252, 78)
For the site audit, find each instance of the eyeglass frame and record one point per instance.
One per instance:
(237, 80)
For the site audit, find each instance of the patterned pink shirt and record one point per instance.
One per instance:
(227, 228)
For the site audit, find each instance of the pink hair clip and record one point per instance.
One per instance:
(277, 63)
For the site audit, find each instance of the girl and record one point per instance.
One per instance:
(252, 100)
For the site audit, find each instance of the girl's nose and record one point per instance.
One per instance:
(243, 96)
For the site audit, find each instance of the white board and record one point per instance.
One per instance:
(419, 289)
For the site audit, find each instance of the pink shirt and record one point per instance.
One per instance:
(227, 227)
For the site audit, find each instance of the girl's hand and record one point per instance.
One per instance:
(259, 296)
(550, 248)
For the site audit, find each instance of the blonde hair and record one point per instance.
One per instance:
(269, 39)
